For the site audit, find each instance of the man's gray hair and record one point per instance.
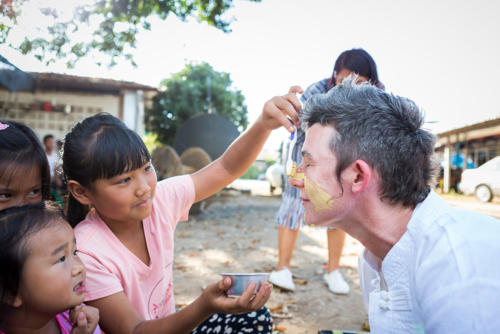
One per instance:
(382, 129)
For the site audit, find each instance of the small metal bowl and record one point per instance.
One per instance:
(240, 281)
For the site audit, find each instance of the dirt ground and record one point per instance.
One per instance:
(237, 233)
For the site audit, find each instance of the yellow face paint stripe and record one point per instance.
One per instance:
(320, 199)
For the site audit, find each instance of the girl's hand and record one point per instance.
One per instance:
(295, 90)
(279, 110)
(84, 318)
(217, 301)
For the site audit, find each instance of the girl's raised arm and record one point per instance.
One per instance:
(277, 112)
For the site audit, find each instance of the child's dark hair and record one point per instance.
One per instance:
(17, 225)
(359, 62)
(19, 146)
(99, 147)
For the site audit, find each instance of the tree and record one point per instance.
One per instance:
(118, 22)
(194, 90)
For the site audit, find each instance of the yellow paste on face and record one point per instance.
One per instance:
(320, 199)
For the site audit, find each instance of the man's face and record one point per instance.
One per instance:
(320, 191)
(50, 144)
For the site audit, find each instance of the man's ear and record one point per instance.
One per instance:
(79, 192)
(360, 175)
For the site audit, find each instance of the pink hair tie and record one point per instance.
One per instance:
(3, 126)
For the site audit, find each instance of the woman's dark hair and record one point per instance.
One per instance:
(19, 146)
(359, 62)
(17, 225)
(99, 147)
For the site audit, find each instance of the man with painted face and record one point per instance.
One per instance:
(368, 169)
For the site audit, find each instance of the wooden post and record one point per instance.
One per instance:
(466, 149)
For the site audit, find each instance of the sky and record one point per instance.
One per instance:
(444, 55)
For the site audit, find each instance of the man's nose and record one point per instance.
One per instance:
(296, 183)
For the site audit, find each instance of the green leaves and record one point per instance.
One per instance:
(194, 90)
(119, 21)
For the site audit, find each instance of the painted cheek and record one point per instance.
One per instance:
(319, 198)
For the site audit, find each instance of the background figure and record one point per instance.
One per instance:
(291, 212)
(53, 158)
(50, 150)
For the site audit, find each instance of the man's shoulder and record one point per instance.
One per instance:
(459, 242)
(456, 225)
(435, 213)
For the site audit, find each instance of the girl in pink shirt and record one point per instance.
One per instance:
(126, 239)
(42, 281)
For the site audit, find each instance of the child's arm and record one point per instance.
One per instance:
(118, 316)
(244, 150)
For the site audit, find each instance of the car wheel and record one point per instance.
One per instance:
(483, 193)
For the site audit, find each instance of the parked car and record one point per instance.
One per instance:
(275, 175)
(483, 181)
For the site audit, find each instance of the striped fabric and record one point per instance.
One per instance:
(291, 205)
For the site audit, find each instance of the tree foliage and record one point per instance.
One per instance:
(118, 24)
(194, 90)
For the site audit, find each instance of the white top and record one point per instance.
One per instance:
(442, 276)
(53, 159)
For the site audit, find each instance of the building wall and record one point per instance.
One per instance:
(133, 110)
(27, 108)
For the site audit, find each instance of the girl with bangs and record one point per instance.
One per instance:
(125, 220)
(24, 170)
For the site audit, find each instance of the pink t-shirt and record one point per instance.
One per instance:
(67, 326)
(112, 267)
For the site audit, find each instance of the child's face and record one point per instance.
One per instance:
(53, 277)
(126, 197)
(23, 186)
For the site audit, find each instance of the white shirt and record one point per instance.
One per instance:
(442, 276)
(53, 159)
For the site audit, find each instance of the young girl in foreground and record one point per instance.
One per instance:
(24, 170)
(42, 281)
(126, 240)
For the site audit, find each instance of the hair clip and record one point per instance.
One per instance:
(3, 126)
